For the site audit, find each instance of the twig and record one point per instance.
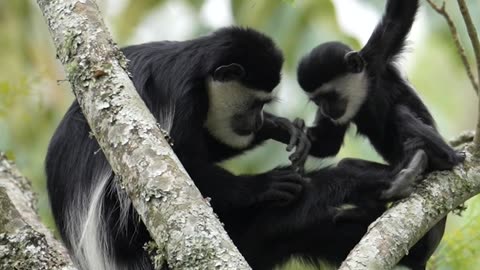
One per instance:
(472, 33)
(461, 50)
(463, 138)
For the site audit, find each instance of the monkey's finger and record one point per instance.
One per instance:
(299, 157)
(299, 123)
(292, 177)
(461, 156)
(275, 197)
(298, 152)
(296, 159)
(280, 174)
(291, 129)
(294, 137)
(299, 164)
(290, 187)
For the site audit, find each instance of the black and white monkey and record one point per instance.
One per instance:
(208, 93)
(367, 89)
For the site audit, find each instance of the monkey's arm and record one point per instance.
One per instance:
(326, 137)
(388, 38)
(290, 133)
(230, 192)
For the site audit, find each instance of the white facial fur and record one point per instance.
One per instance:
(353, 87)
(227, 99)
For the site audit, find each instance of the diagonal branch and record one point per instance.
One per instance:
(399, 228)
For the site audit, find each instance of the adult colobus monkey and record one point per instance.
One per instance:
(209, 94)
(367, 89)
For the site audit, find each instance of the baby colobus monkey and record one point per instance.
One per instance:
(209, 94)
(367, 89)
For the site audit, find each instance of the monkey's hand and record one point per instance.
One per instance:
(298, 140)
(280, 187)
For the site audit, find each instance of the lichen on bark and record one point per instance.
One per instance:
(176, 215)
(25, 243)
(399, 228)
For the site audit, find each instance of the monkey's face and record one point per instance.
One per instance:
(341, 98)
(333, 77)
(235, 111)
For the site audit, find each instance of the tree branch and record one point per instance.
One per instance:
(25, 243)
(461, 50)
(186, 231)
(399, 228)
(472, 33)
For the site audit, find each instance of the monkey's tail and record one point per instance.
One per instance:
(93, 240)
(388, 39)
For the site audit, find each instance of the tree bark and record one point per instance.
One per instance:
(389, 238)
(24, 242)
(183, 225)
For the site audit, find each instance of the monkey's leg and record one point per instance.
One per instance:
(361, 164)
(418, 135)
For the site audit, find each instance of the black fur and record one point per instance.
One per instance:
(392, 116)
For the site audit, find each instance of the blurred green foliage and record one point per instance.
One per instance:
(34, 95)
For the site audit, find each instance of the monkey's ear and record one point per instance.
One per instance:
(229, 72)
(354, 62)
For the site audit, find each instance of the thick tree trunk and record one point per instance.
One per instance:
(187, 233)
(25, 244)
(389, 237)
